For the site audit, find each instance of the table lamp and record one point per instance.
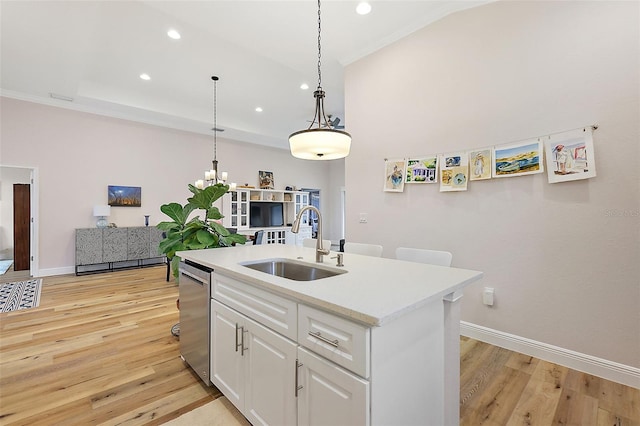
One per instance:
(101, 212)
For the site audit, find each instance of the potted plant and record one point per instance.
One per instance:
(183, 233)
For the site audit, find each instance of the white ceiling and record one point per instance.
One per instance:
(94, 52)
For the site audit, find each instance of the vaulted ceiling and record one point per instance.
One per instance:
(92, 53)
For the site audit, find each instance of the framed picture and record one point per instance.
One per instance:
(454, 171)
(517, 159)
(480, 164)
(422, 170)
(569, 155)
(394, 175)
(266, 179)
(124, 196)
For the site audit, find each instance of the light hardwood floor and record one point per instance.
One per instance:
(98, 350)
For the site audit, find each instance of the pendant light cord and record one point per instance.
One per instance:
(319, 49)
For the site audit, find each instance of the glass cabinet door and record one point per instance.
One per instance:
(244, 209)
(301, 200)
(238, 209)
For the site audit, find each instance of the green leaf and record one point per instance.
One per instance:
(204, 198)
(186, 211)
(193, 189)
(219, 229)
(195, 225)
(166, 226)
(175, 266)
(237, 238)
(214, 213)
(195, 245)
(205, 237)
(171, 243)
(174, 211)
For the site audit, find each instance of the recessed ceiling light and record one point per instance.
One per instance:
(304, 86)
(258, 109)
(173, 34)
(363, 8)
(145, 76)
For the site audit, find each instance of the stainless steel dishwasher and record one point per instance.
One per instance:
(195, 303)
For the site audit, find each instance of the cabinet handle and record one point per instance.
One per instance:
(298, 387)
(317, 335)
(238, 345)
(242, 348)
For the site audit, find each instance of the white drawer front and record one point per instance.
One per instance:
(337, 339)
(275, 312)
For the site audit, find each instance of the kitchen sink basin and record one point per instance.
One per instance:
(292, 269)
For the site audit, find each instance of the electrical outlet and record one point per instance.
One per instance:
(487, 296)
(363, 218)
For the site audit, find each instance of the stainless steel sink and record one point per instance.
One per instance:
(292, 269)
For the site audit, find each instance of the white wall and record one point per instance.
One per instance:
(8, 177)
(79, 154)
(563, 258)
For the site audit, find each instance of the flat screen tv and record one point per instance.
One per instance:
(265, 213)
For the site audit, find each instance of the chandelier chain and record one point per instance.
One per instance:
(319, 48)
(215, 119)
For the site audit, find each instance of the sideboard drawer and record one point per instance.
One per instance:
(335, 338)
(275, 312)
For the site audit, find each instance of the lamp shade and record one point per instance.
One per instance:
(101, 210)
(320, 144)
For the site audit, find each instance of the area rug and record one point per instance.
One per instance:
(20, 295)
(5, 265)
(219, 412)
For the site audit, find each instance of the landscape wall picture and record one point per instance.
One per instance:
(124, 196)
(517, 159)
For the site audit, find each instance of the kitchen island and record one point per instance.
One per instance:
(376, 344)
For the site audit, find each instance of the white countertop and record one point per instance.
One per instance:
(373, 291)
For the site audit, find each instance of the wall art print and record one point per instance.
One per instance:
(517, 159)
(569, 155)
(265, 179)
(394, 175)
(422, 169)
(124, 196)
(454, 171)
(480, 164)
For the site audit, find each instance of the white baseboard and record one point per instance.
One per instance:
(609, 370)
(56, 271)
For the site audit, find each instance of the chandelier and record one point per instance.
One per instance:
(212, 177)
(321, 142)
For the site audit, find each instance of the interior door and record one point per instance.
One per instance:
(21, 226)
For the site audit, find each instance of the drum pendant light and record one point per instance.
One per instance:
(320, 141)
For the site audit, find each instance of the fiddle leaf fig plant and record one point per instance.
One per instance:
(182, 233)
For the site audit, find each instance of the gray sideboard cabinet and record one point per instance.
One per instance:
(107, 249)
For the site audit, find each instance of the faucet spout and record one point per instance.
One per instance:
(295, 228)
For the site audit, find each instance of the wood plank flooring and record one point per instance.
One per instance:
(98, 351)
(499, 387)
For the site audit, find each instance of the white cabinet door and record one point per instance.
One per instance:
(330, 395)
(253, 366)
(270, 367)
(227, 364)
